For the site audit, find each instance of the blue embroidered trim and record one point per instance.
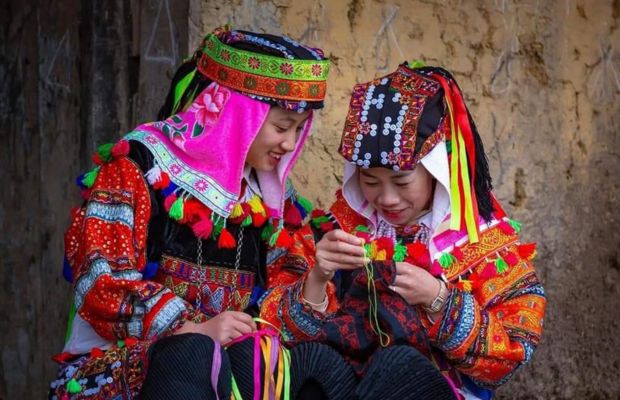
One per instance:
(112, 213)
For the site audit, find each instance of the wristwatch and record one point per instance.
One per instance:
(437, 303)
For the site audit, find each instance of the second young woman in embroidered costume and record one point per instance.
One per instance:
(415, 269)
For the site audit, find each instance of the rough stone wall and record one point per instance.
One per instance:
(542, 80)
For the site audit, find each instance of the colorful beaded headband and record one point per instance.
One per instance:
(263, 75)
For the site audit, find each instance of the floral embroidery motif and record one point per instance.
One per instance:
(210, 104)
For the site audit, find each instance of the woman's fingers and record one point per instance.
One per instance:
(338, 260)
(342, 236)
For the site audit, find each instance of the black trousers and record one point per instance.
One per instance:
(180, 368)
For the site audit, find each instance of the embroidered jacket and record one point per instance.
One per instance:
(492, 320)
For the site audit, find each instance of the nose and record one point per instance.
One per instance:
(388, 197)
(290, 138)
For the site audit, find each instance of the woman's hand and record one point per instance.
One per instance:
(416, 285)
(336, 250)
(222, 328)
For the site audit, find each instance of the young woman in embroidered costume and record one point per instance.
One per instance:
(169, 251)
(416, 268)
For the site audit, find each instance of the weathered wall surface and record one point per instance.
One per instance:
(542, 79)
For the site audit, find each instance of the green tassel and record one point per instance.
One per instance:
(305, 204)
(105, 151)
(120, 343)
(218, 225)
(247, 221)
(500, 265)
(267, 232)
(515, 225)
(176, 209)
(400, 252)
(90, 177)
(274, 238)
(362, 228)
(180, 89)
(73, 387)
(446, 260)
(417, 64)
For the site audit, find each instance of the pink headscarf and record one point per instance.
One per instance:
(203, 149)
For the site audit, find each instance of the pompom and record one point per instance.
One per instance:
(105, 151)
(258, 220)
(446, 260)
(385, 244)
(168, 201)
(293, 216)
(489, 271)
(162, 183)
(226, 240)
(73, 387)
(506, 228)
(511, 259)
(153, 176)
(436, 269)
(97, 159)
(121, 148)
(418, 254)
(203, 228)
(96, 352)
(527, 251)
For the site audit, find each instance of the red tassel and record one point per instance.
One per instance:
(247, 210)
(96, 352)
(511, 259)
(489, 271)
(436, 269)
(130, 341)
(85, 193)
(121, 148)
(163, 182)
(226, 240)
(527, 251)
(456, 252)
(317, 212)
(97, 159)
(62, 357)
(387, 244)
(169, 200)
(258, 220)
(419, 255)
(284, 239)
(203, 228)
(329, 226)
(193, 210)
(506, 228)
(292, 215)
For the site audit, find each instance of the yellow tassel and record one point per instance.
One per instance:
(256, 205)
(236, 211)
(372, 251)
(467, 285)
(381, 255)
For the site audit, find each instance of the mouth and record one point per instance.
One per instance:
(275, 157)
(392, 214)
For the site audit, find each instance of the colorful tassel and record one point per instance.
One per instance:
(284, 239)
(97, 159)
(489, 271)
(247, 221)
(419, 255)
(465, 285)
(89, 178)
(256, 205)
(446, 260)
(267, 232)
(327, 226)
(305, 203)
(527, 251)
(457, 253)
(511, 259)
(162, 183)
(226, 240)
(73, 387)
(105, 151)
(176, 209)
(258, 220)
(203, 228)
(400, 252)
(121, 148)
(515, 225)
(96, 352)
(153, 175)
(500, 265)
(168, 201)
(237, 211)
(120, 344)
(293, 216)
(131, 341)
(506, 228)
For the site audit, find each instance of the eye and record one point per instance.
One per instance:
(280, 129)
(371, 183)
(402, 184)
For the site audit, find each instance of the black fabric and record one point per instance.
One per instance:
(180, 368)
(403, 373)
(350, 331)
(318, 369)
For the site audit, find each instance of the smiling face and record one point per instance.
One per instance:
(276, 137)
(400, 197)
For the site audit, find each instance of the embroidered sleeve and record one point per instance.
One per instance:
(490, 329)
(106, 248)
(282, 305)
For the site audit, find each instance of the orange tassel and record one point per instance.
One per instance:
(527, 251)
(226, 240)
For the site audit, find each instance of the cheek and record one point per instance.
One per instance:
(370, 193)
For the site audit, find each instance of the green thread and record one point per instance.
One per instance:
(180, 88)
(384, 339)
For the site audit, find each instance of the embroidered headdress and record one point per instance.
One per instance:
(396, 120)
